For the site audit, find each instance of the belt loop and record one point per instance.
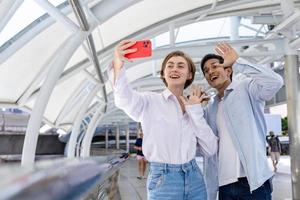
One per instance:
(183, 168)
(194, 164)
(165, 167)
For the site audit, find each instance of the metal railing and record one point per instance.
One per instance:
(61, 179)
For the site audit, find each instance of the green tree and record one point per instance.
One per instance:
(284, 126)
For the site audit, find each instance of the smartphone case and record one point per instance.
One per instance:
(144, 49)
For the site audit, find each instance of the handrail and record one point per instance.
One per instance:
(59, 179)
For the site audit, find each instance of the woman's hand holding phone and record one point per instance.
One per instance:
(121, 49)
(119, 55)
(130, 49)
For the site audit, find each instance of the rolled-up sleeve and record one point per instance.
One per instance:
(205, 137)
(265, 82)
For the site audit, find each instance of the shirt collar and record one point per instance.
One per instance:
(167, 93)
(230, 87)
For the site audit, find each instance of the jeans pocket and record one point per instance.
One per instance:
(243, 182)
(155, 179)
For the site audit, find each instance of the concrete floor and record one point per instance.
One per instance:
(282, 180)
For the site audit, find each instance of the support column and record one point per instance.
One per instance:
(106, 138)
(234, 27)
(292, 81)
(137, 130)
(127, 139)
(172, 34)
(118, 137)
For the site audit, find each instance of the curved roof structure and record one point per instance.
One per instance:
(54, 63)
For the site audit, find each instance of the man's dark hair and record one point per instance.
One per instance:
(212, 56)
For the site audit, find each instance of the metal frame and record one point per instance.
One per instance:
(220, 7)
(57, 15)
(223, 8)
(13, 6)
(77, 122)
(74, 100)
(60, 59)
(87, 140)
(90, 41)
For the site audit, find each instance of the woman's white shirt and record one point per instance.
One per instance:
(169, 135)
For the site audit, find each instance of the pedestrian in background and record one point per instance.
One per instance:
(274, 149)
(142, 162)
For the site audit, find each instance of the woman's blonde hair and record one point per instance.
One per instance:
(189, 61)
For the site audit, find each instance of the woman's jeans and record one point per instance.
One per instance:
(175, 182)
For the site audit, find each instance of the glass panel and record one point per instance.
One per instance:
(281, 95)
(161, 40)
(206, 29)
(251, 29)
(26, 14)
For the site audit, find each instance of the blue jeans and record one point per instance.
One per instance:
(175, 182)
(240, 190)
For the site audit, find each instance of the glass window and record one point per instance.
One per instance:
(26, 14)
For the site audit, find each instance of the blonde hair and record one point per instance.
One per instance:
(189, 61)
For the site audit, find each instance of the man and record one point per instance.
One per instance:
(274, 149)
(236, 115)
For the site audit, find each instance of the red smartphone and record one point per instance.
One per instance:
(144, 49)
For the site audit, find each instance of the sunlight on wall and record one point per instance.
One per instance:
(279, 109)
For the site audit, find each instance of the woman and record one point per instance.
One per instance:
(172, 125)
(142, 163)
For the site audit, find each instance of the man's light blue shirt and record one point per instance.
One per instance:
(244, 103)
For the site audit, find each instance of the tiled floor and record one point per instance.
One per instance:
(130, 187)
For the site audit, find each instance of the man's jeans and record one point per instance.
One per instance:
(240, 190)
(175, 182)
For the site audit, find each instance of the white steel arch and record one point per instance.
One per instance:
(59, 61)
(76, 126)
